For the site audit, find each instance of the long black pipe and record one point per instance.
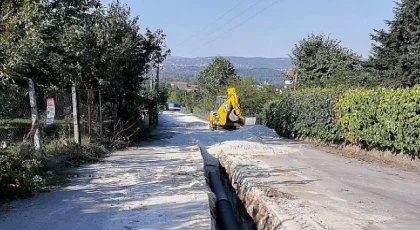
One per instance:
(226, 218)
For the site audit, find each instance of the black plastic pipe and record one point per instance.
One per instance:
(225, 217)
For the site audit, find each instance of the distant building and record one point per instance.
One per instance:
(183, 86)
(257, 86)
(179, 85)
(290, 73)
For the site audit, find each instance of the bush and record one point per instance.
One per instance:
(305, 113)
(200, 113)
(20, 173)
(73, 152)
(381, 118)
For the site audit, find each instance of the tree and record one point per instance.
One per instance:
(21, 44)
(216, 76)
(396, 52)
(317, 58)
(214, 79)
(58, 43)
(253, 96)
(176, 96)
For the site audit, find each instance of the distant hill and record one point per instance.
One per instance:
(269, 70)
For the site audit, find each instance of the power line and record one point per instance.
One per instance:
(253, 16)
(209, 25)
(223, 25)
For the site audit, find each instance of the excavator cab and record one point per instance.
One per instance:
(219, 101)
(227, 113)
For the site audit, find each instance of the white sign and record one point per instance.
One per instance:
(50, 111)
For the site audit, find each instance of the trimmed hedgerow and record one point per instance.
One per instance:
(383, 118)
(370, 118)
(305, 113)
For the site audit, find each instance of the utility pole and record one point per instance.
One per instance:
(157, 78)
(100, 114)
(158, 95)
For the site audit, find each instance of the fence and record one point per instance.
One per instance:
(15, 116)
(59, 131)
(55, 130)
(90, 115)
(55, 109)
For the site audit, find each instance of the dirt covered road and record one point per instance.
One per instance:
(161, 185)
(157, 185)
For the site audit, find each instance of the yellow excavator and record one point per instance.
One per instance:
(227, 114)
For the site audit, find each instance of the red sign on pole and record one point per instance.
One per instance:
(50, 111)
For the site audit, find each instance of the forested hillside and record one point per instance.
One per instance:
(269, 70)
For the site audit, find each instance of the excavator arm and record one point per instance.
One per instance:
(236, 113)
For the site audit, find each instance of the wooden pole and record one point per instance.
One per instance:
(100, 114)
(76, 131)
(89, 100)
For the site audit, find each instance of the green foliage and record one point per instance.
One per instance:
(20, 174)
(214, 81)
(396, 51)
(177, 96)
(381, 118)
(253, 96)
(216, 76)
(58, 43)
(305, 113)
(86, 152)
(318, 58)
(202, 114)
(371, 118)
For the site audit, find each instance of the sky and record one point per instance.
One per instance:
(192, 30)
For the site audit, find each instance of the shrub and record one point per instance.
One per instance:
(200, 113)
(20, 173)
(72, 152)
(381, 118)
(305, 113)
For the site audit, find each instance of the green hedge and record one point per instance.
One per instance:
(370, 118)
(305, 113)
(381, 118)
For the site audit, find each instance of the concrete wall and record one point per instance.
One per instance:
(252, 121)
